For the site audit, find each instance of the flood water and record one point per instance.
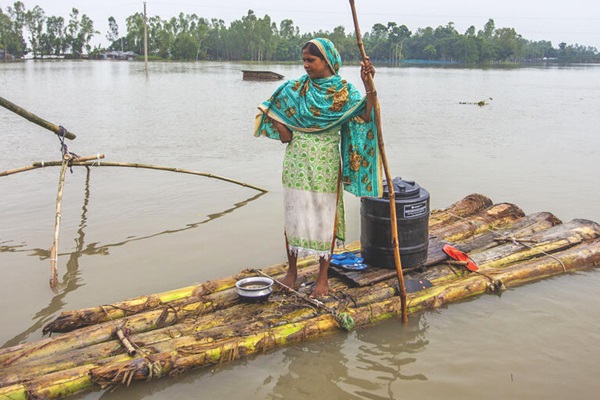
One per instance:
(127, 232)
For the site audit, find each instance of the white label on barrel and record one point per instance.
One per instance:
(415, 210)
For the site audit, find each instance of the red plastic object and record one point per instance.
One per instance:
(458, 255)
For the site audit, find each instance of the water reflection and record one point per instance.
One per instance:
(313, 371)
(365, 365)
(93, 249)
(71, 281)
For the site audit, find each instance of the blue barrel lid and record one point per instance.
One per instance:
(402, 188)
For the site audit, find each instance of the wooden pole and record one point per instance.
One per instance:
(89, 162)
(392, 195)
(145, 40)
(155, 167)
(54, 249)
(42, 164)
(33, 118)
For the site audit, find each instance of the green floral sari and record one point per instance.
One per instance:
(317, 111)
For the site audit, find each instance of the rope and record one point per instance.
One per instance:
(515, 241)
(64, 149)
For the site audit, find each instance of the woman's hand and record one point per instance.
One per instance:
(366, 69)
(285, 135)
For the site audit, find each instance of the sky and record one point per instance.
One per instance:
(573, 21)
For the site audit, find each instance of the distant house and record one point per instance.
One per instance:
(119, 55)
(4, 56)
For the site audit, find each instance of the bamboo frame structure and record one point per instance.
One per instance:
(87, 162)
(391, 194)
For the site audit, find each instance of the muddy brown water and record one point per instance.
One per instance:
(128, 232)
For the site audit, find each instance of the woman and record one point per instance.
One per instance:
(313, 114)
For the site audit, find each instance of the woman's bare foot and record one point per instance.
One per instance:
(289, 279)
(321, 290)
(322, 286)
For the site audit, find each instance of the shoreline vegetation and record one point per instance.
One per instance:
(189, 37)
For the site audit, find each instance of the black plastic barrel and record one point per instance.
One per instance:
(412, 216)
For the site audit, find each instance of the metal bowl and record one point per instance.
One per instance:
(254, 289)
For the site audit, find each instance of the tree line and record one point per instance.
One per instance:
(251, 38)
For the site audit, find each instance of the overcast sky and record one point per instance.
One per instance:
(573, 21)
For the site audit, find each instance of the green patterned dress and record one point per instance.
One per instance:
(324, 115)
(312, 196)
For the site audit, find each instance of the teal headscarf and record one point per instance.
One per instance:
(316, 105)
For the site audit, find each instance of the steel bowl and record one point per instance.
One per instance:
(254, 289)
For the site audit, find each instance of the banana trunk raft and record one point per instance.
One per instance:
(168, 333)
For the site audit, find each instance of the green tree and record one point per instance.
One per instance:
(160, 37)
(289, 41)
(215, 40)
(112, 35)
(53, 40)
(135, 33)
(506, 43)
(446, 41)
(397, 35)
(184, 47)
(13, 30)
(8, 39)
(539, 50)
(430, 51)
(468, 49)
(79, 33)
(422, 39)
(199, 28)
(345, 47)
(34, 20)
(487, 50)
(377, 42)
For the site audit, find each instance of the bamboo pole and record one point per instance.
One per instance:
(125, 342)
(17, 170)
(392, 195)
(42, 164)
(499, 214)
(522, 228)
(145, 41)
(469, 205)
(34, 118)
(87, 162)
(159, 168)
(54, 249)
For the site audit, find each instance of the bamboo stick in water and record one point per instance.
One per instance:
(54, 249)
